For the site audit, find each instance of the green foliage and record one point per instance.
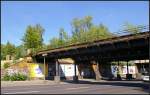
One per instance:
(83, 30)
(20, 51)
(18, 77)
(3, 52)
(80, 27)
(54, 43)
(33, 37)
(63, 39)
(133, 29)
(6, 65)
(45, 46)
(15, 77)
(6, 77)
(10, 49)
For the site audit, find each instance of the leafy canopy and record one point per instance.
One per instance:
(33, 37)
(83, 30)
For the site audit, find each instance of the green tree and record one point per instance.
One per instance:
(54, 43)
(87, 23)
(98, 33)
(33, 37)
(76, 27)
(92, 34)
(79, 29)
(20, 51)
(63, 37)
(133, 29)
(3, 52)
(83, 30)
(40, 32)
(10, 49)
(46, 46)
(103, 32)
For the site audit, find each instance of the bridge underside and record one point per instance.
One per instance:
(123, 51)
(124, 48)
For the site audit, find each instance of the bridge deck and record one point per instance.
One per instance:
(126, 38)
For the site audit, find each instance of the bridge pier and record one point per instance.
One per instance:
(128, 76)
(95, 66)
(79, 71)
(57, 77)
(118, 72)
(75, 77)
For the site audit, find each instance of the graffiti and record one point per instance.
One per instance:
(35, 71)
(114, 69)
(38, 71)
(131, 69)
(11, 71)
(31, 70)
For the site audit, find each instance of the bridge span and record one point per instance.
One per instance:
(122, 48)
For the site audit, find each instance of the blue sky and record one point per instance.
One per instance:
(52, 15)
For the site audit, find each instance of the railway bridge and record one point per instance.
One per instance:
(122, 48)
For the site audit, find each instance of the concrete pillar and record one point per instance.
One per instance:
(75, 77)
(109, 71)
(57, 77)
(118, 72)
(138, 75)
(128, 76)
(95, 66)
(79, 71)
(127, 68)
(57, 68)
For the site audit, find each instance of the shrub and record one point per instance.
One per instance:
(15, 77)
(18, 77)
(6, 77)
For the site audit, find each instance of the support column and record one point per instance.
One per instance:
(118, 72)
(95, 66)
(79, 71)
(127, 68)
(57, 77)
(75, 77)
(128, 76)
(138, 75)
